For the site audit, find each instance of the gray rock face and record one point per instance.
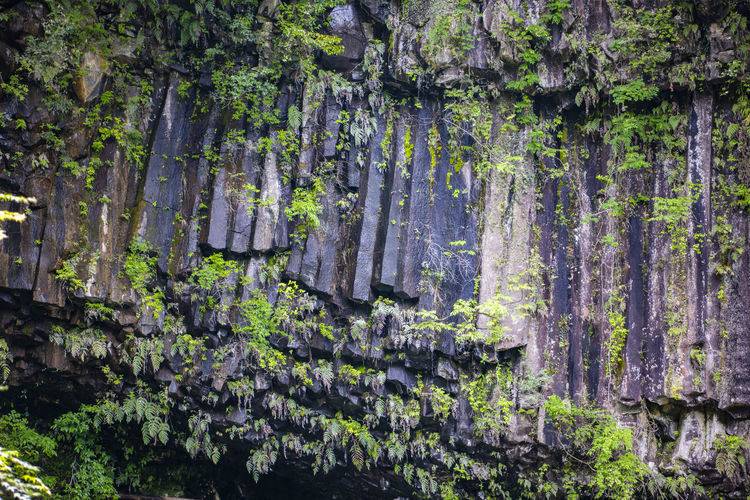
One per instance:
(93, 69)
(270, 213)
(344, 22)
(607, 266)
(400, 377)
(371, 198)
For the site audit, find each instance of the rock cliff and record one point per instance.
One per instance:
(456, 248)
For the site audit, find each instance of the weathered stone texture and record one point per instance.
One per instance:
(406, 218)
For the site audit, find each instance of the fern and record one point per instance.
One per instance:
(261, 460)
(215, 455)
(163, 432)
(330, 459)
(730, 456)
(306, 208)
(357, 456)
(18, 479)
(81, 343)
(145, 351)
(380, 407)
(5, 359)
(324, 373)
(191, 446)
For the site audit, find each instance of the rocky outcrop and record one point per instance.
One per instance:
(593, 226)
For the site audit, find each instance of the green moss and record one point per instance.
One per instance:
(408, 146)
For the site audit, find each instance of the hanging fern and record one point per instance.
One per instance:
(81, 343)
(730, 456)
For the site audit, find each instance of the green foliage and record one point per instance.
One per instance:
(698, 356)
(301, 372)
(468, 112)
(350, 375)
(674, 214)
(679, 485)
(18, 479)
(554, 11)
(489, 395)
(248, 58)
(741, 194)
(635, 91)
(5, 359)
(140, 265)
(213, 272)
(92, 476)
(528, 40)
(288, 44)
(249, 91)
(628, 129)
(149, 409)
(200, 438)
(618, 335)
(140, 352)
(190, 349)
(731, 452)
(140, 269)
(299, 25)
(97, 311)
(306, 208)
(596, 443)
(81, 343)
(15, 434)
(260, 461)
(89, 453)
(259, 322)
(129, 139)
(243, 389)
(645, 37)
(464, 315)
(441, 403)
(67, 273)
(451, 32)
(70, 30)
(350, 436)
(15, 88)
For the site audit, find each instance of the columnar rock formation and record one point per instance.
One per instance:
(387, 261)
